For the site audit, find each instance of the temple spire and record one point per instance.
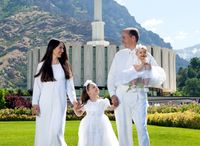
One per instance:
(98, 26)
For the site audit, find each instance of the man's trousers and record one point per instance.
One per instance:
(132, 106)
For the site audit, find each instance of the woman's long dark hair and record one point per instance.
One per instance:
(84, 96)
(46, 70)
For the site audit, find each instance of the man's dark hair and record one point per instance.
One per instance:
(133, 32)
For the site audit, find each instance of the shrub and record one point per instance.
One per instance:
(186, 116)
(3, 92)
(2, 100)
(171, 108)
(14, 117)
(186, 119)
(13, 101)
(17, 114)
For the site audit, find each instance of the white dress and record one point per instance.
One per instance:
(144, 74)
(95, 128)
(127, 73)
(52, 99)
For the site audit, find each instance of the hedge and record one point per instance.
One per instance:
(187, 118)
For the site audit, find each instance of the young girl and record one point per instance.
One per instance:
(142, 65)
(95, 128)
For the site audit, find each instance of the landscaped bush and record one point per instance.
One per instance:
(2, 100)
(171, 108)
(17, 114)
(26, 114)
(4, 93)
(186, 116)
(13, 101)
(186, 119)
(14, 117)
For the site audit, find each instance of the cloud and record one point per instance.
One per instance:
(177, 37)
(197, 31)
(151, 24)
(168, 39)
(181, 35)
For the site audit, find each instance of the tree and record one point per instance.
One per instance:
(195, 63)
(181, 77)
(188, 79)
(192, 87)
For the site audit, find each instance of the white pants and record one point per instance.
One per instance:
(132, 106)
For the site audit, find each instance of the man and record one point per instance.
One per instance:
(132, 105)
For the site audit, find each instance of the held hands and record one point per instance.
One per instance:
(36, 110)
(77, 106)
(144, 61)
(147, 66)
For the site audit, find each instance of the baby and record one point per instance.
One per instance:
(142, 65)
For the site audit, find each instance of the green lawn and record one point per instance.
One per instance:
(22, 134)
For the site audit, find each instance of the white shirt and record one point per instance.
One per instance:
(122, 70)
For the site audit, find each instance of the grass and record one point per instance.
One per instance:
(22, 134)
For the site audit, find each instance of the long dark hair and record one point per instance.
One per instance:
(84, 96)
(46, 70)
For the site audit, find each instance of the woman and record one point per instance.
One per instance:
(53, 81)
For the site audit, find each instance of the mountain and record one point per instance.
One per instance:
(28, 24)
(189, 52)
(181, 63)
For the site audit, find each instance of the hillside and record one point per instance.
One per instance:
(27, 24)
(189, 52)
(181, 63)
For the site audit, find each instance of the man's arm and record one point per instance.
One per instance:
(127, 75)
(111, 78)
(111, 83)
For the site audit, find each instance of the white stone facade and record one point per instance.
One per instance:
(89, 62)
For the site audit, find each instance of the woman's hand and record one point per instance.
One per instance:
(36, 110)
(77, 107)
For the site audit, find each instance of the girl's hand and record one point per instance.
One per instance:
(75, 104)
(78, 108)
(148, 66)
(36, 110)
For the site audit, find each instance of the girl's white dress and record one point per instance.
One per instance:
(144, 74)
(95, 128)
(52, 99)
(157, 74)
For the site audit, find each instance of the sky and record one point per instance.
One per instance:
(176, 21)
